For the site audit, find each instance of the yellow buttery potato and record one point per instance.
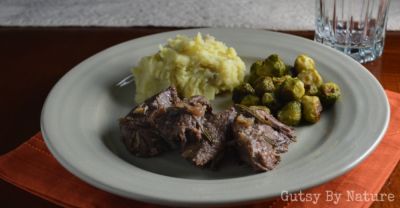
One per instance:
(198, 66)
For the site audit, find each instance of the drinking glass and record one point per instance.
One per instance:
(355, 27)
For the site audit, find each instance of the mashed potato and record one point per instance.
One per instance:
(195, 66)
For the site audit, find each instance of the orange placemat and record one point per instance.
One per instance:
(32, 168)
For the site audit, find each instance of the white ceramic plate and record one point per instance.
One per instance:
(79, 124)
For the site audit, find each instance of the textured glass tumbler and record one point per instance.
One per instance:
(355, 27)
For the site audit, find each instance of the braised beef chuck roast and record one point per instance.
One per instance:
(165, 122)
(138, 127)
(260, 138)
(183, 121)
(216, 130)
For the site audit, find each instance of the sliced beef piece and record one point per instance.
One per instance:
(260, 138)
(183, 120)
(164, 122)
(163, 100)
(279, 135)
(138, 129)
(277, 125)
(283, 136)
(215, 131)
(177, 124)
(140, 141)
(252, 143)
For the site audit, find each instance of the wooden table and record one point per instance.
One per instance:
(34, 59)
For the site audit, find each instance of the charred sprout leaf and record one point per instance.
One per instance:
(250, 100)
(303, 62)
(290, 71)
(329, 93)
(242, 91)
(251, 78)
(290, 114)
(252, 113)
(311, 108)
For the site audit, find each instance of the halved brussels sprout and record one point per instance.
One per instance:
(310, 77)
(311, 108)
(329, 93)
(273, 66)
(292, 89)
(290, 114)
(270, 100)
(241, 91)
(263, 85)
(303, 62)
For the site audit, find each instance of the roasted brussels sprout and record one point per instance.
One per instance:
(329, 93)
(250, 100)
(311, 108)
(263, 85)
(290, 114)
(272, 66)
(256, 66)
(260, 107)
(310, 77)
(311, 90)
(241, 91)
(252, 77)
(278, 81)
(303, 62)
(270, 100)
(292, 93)
(292, 89)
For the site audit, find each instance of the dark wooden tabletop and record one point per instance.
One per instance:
(34, 59)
